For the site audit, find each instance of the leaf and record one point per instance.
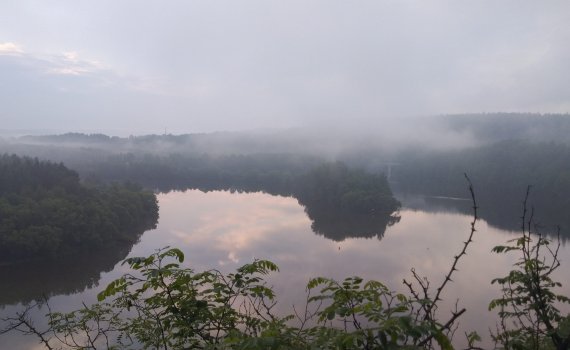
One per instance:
(503, 249)
(175, 253)
(317, 281)
(442, 340)
(472, 338)
(330, 315)
(112, 288)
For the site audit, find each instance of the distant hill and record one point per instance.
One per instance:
(492, 127)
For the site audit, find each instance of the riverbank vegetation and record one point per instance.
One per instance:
(211, 310)
(505, 152)
(343, 202)
(161, 304)
(502, 171)
(45, 212)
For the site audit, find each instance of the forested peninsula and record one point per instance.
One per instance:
(502, 152)
(46, 212)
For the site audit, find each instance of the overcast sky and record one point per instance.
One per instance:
(132, 67)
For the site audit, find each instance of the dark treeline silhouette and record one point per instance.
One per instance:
(276, 174)
(502, 172)
(69, 274)
(103, 159)
(45, 212)
(345, 202)
(508, 152)
(273, 173)
(511, 151)
(341, 202)
(184, 167)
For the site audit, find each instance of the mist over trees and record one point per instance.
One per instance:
(502, 152)
(502, 170)
(330, 138)
(493, 127)
(352, 198)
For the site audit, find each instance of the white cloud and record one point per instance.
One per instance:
(10, 48)
(71, 56)
(68, 92)
(69, 63)
(67, 71)
(200, 66)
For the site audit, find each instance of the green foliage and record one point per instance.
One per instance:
(174, 307)
(340, 200)
(373, 317)
(161, 305)
(46, 212)
(529, 307)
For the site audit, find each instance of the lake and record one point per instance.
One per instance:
(225, 230)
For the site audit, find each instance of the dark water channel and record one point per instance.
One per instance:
(224, 230)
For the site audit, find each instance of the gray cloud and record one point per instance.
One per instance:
(202, 66)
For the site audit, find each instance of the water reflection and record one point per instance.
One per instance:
(339, 225)
(336, 223)
(224, 230)
(26, 282)
(501, 212)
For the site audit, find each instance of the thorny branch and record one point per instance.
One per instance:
(428, 309)
(22, 322)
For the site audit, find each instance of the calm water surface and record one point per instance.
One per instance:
(225, 230)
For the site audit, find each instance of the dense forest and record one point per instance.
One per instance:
(341, 200)
(175, 163)
(506, 153)
(46, 212)
(345, 202)
(502, 172)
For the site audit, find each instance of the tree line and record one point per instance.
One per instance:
(341, 201)
(45, 212)
(502, 171)
(161, 304)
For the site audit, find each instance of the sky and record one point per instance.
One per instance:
(136, 67)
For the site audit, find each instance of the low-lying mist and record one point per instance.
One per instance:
(384, 140)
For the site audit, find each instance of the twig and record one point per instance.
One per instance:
(463, 250)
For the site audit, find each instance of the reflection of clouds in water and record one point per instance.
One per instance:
(261, 225)
(429, 242)
(231, 229)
